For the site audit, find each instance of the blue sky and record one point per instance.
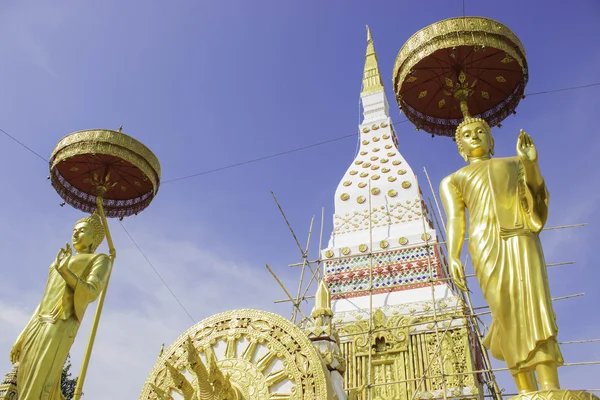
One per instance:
(208, 84)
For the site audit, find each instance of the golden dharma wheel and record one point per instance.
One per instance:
(468, 59)
(240, 355)
(126, 171)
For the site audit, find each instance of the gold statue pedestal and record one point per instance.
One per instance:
(560, 394)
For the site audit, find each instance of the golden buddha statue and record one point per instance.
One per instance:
(74, 281)
(507, 202)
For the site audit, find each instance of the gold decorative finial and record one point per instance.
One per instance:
(322, 301)
(121, 128)
(371, 77)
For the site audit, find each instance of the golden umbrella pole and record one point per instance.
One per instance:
(88, 351)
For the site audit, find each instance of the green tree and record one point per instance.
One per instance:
(68, 384)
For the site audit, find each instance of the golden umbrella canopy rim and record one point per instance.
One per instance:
(84, 160)
(452, 33)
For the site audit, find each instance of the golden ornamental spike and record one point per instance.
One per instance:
(372, 81)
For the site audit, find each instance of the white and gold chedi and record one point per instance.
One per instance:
(379, 189)
(390, 334)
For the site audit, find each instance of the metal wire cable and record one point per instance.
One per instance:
(156, 272)
(23, 145)
(291, 150)
(339, 138)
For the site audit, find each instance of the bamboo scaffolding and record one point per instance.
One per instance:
(304, 254)
(296, 302)
(437, 332)
(370, 366)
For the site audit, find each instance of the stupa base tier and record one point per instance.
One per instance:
(557, 395)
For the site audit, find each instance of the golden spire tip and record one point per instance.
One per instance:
(371, 76)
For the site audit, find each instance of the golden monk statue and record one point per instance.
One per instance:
(74, 281)
(507, 203)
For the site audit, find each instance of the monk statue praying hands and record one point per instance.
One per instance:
(507, 204)
(74, 281)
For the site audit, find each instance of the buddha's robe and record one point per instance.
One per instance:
(48, 336)
(505, 218)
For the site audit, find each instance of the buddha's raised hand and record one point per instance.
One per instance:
(525, 148)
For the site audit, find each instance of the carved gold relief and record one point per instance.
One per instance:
(360, 199)
(375, 167)
(392, 193)
(396, 162)
(406, 184)
(403, 241)
(422, 94)
(365, 142)
(376, 139)
(366, 130)
(386, 136)
(388, 146)
(358, 162)
(375, 191)
(501, 79)
(400, 355)
(391, 178)
(347, 183)
(346, 251)
(425, 237)
(364, 174)
(375, 177)
(401, 172)
(344, 196)
(375, 150)
(374, 127)
(362, 185)
(385, 170)
(363, 248)
(374, 158)
(329, 254)
(384, 244)
(485, 95)
(383, 125)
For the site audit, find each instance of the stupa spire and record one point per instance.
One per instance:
(371, 76)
